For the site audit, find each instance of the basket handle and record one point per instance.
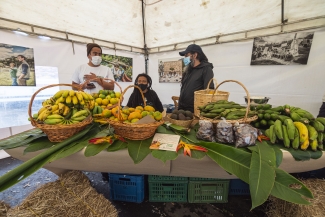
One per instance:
(247, 93)
(122, 96)
(33, 122)
(215, 82)
(108, 79)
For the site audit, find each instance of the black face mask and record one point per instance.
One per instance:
(143, 87)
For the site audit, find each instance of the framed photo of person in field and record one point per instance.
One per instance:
(17, 66)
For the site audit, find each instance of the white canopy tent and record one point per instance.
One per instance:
(169, 24)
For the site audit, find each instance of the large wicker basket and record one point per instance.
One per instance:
(58, 132)
(134, 131)
(202, 97)
(183, 123)
(243, 120)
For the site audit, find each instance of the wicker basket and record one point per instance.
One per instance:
(57, 132)
(108, 79)
(185, 123)
(202, 97)
(243, 120)
(134, 131)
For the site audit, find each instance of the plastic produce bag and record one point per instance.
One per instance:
(205, 131)
(225, 132)
(246, 135)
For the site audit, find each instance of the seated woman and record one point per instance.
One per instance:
(144, 82)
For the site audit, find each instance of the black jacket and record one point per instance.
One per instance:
(194, 79)
(151, 98)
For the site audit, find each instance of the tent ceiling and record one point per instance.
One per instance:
(168, 22)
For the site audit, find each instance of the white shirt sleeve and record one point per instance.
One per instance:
(75, 76)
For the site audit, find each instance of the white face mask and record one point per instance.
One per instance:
(96, 60)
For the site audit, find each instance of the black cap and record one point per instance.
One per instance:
(191, 48)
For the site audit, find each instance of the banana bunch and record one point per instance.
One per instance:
(76, 117)
(97, 111)
(297, 134)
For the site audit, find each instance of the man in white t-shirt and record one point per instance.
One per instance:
(90, 76)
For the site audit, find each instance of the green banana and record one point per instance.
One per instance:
(277, 109)
(79, 118)
(278, 129)
(291, 129)
(176, 127)
(267, 133)
(321, 120)
(55, 116)
(320, 138)
(314, 145)
(83, 112)
(304, 121)
(295, 143)
(286, 139)
(318, 126)
(295, 116)
(52, 121)
(272, 134)
(312, 133)
(282, 118)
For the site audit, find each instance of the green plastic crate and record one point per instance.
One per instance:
(202, 179)
(168, 191)
(152, 178)
(208, 191)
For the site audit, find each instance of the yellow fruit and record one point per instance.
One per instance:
(99, 101)
(112, 118)
(108, 97)
(144, 113)
(139, 108)
(134, 115)
(104, 101)
(113, 101)
(109, 105)
(107, 113)
(131, 109)
(112, 95)
(101, 91)
(117, 94)
(123, 117)
(126, 111)
(157, 115)
(149, 108)
(127, 122)
(95, 95)
(134, 120)
(303, 133)
(103, 106)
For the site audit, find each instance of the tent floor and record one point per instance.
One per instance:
(236, 206)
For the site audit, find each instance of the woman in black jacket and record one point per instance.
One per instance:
(144, 82)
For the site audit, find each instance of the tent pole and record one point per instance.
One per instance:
(282, 13)
(146, 53)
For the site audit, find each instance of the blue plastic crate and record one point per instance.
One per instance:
(128, 188)
(238, 187)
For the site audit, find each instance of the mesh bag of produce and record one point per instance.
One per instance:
(205, 131)
(245, 134)
(225, 132)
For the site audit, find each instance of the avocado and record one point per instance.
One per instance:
(181, 111)
(189, 114)
(175, 111)
(174, 116)
(181, 117)
(188, 118)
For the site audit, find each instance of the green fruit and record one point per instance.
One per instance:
(257, 125)
(270, 122)
(263, 122)
(286, 139)
(260, 116)
(278, 129)
(274, 117)
(267, 116)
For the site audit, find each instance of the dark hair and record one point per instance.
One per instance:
(90, 46)
(21, 56)
(149, 80)
(200, 56)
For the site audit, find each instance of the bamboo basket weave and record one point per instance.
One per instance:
(243, 120)
(57, 132)
(182, 123)
(203, 97)
(134, 131)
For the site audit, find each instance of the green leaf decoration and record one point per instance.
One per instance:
(164, 155)
(93, 149)
(23, 142)
(234, 161)
(32, 165)
(282, 188)
(278, 155)
(117, 145)
(138, 150)
(198, 154)
(162, 129)
(261, 175)
(17, 138)
(39, 144)
(266, 151)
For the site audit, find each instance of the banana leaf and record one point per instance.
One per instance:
(93, 149)
(233, 160)
(261, 174)
(138, 150)
(39, 144)
(17, 138)
(32, 165)
(164, 155)
(162, 129)
(282, 188)
(24, 142)
(117, 145)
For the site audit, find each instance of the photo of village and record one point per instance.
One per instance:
(284, 49)
(170, 70)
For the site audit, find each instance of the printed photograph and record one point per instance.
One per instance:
(284, 49)
(121, 67)
(17, 66)
(170, 70)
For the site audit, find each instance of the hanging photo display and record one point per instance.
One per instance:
(16, 66)
(121, 67)
(170, 70)
(283, 49)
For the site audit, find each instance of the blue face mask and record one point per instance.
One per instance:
(186, 60)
